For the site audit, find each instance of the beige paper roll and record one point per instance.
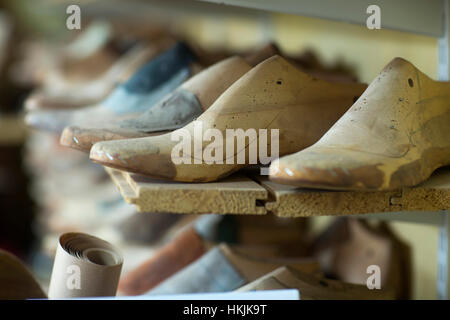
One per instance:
(85, 266)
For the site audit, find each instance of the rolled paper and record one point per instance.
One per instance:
(85, 266)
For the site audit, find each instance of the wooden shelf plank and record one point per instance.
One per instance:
(120, 180)
(234, 195)
(240, 194)
(432, 195)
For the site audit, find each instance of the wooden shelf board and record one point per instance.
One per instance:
(234, 195)
(254, 194)
(289, 201)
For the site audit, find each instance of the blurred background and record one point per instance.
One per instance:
(46, 190)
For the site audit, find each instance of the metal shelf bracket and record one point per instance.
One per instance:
(443, 274)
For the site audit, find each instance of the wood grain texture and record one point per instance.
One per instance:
(239, 194)
(289, 201)
(274, 95)
(234, 195)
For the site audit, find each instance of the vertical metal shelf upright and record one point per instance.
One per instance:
(443, 281)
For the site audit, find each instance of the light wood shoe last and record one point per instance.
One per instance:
(273, 95)
(394, 136)
(175, 110)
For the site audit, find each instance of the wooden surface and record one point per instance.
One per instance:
(315, 288)
(432, 195)
(234, 195)
(259, 100)
(239, 194)
(395, 134)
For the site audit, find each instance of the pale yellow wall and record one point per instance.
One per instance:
(368, 51)
(423, 240)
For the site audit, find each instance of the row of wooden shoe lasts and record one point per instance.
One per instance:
(123, 100)
(332, 131)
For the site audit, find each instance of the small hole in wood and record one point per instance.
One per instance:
(411, 82)
(260, 203)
